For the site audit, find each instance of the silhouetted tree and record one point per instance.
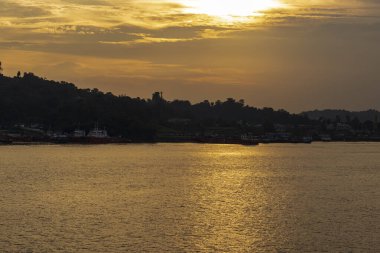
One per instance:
(356, 124)
(268, 126)
(29, 99)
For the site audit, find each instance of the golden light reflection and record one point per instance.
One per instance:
(221, 199)
(230, 9)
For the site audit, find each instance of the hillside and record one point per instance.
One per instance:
(61, 106)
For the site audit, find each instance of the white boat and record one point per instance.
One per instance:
(98, 133)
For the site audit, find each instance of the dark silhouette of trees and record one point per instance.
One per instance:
(29, 99)
(60, 106)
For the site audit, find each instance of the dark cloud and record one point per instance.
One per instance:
(10, 9)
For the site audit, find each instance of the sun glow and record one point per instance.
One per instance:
(228, 9)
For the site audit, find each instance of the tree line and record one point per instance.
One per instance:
(29, 99)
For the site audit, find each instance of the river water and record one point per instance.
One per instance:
(190, 198)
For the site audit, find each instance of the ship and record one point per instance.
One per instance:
(98, 133)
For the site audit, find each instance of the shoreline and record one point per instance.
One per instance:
(48, 143)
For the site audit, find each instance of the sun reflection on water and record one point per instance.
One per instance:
(190, 198)
(222, 204)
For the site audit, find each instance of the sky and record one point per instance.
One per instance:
(292, 54)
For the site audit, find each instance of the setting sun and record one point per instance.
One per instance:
(228, 8)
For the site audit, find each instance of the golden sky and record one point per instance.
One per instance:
(292, 54)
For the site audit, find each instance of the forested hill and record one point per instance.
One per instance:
(61, 106)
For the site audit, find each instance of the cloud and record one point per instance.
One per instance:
(10, 9)
(281, 58)
(88, 2)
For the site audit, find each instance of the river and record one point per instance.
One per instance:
(322, 197)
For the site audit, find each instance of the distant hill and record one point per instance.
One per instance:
(363, 116)
(60, 106)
